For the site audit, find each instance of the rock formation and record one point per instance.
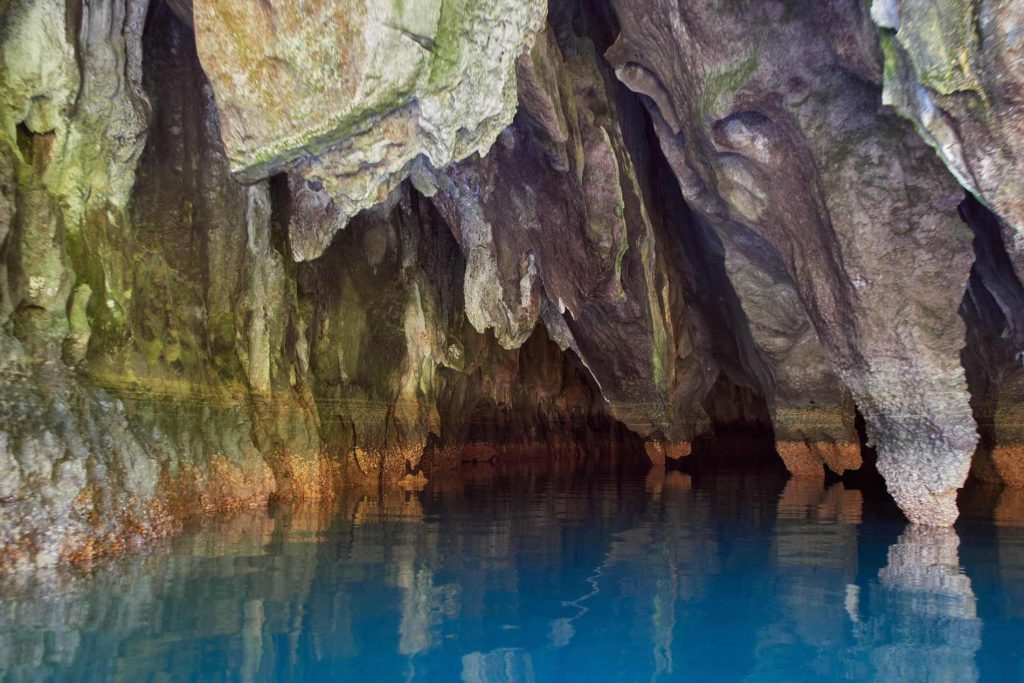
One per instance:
(781, 137)
(358, 92)
(954, 69)
(251, 250)
(993, 308)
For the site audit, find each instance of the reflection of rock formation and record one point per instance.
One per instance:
(1006, 505)
(815, 551)
(508, 579)
(925, 565)
(659, 482)
(424, 605)
(804, 499)
(504, 665)
(676, 545)
(1008, 510)
(129, 617)
(278, 591)
(252, 639)
(925, 625)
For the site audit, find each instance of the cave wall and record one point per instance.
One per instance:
(164, 354)
(74, 119)
(609, 228)
(771, 118)
(992, 308)
(954, 69)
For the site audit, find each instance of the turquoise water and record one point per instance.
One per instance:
(714, 577)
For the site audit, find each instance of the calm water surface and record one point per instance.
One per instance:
(717, 577)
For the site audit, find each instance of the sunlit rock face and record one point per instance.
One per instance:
(771, 118)
(356, 91)
(955, 68)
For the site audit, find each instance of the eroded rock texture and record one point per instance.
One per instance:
(771, 118)
(573, 232)
(163, 352)
(956, 68)
(74, 116)
(148, 368)
(360, 91)
(557, 229)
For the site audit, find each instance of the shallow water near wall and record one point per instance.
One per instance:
(668, 576)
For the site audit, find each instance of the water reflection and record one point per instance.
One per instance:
(928, 628)
(724, 577)
(815, 550)
(504, 665)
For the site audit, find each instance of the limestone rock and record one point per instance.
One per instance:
(780, 129)
(74, 119)
(956, 69)
(584, 241)
(140, 296)
(811, 412)
(377, 335)
(354, 91)
(581, 244)
(993, 309)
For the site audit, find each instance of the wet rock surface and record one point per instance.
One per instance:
(955, 69)
(238, 269)
(783, 136)
(359, 91)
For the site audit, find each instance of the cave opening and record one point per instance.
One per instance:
(346, 331)
(644, 266)
(510, 340)
(991, 309)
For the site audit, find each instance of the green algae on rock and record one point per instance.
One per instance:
(590, 230)
(355, 91)
(801, 155)
(167, 357)
(954, 68)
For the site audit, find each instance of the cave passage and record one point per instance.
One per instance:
(509, 340)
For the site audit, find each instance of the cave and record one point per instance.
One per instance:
(502, 320)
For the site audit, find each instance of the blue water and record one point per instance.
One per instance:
(709, 578)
